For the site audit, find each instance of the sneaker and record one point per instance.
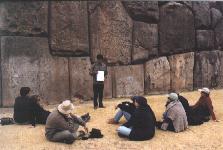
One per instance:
(112, 121)
(101, 106)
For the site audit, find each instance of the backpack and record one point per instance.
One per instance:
(6, 121)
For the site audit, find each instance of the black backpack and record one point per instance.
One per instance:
(7, 121)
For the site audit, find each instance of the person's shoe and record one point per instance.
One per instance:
(95, 107)
(102, 106)
(112, 121)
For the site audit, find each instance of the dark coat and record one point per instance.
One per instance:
(127, 107)
(143, 124)
(26, 110)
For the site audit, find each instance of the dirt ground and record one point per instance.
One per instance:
(207, 136)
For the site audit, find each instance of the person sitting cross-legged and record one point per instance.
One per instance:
(125, 109)
(174, 118)
(62, 125)
(141, 125)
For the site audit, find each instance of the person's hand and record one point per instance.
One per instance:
(216, 120)
(116, 107)
(86, 129)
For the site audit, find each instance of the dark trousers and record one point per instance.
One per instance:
(98, 93)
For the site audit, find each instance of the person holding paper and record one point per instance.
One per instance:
(98, 71)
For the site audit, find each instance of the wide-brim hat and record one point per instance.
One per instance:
(205, 90)
(66, 107)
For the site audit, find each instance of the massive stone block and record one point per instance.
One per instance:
(53, 77)
(26, 62)
(145, 11)
(205, 39)
(111, 32)
(24, 18)
(202, 15)
(219, 35)
(145, 41)
(181, 68)
(157, 76)
(69, 28)
(208, 70)
(176, 29)
(80, 79)
(216, 16)
(129, 80)
(108, 84)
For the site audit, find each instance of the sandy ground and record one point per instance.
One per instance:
(207, 136)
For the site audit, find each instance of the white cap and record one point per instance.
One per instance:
(205, 90)
(173, 96)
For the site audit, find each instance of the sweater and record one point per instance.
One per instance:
(94, 70)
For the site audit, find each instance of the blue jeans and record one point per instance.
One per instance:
(124, 131)
(121, 113)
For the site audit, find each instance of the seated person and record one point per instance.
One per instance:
(40, 113)
(62, 125)
(126, 109)
(23, 108)
(203, 106)
(174, 118)
(141, 125)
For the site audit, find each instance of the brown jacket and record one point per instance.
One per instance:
(206, 102)
(57, 122)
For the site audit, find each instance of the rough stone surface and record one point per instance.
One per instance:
(205, 39)
(69, 28)
(26, 62)
(145, 41)
(23, 18)
(129, 80)
(181, 67)
(53, 77)
(157, 76)
(202, 15)
(208, 69)
(177, 33)
(111, 32)
(80, 79)
(145, 11)
(219, 35)
(108, 84)
(216, 16)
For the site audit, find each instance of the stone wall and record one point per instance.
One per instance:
(150, 47)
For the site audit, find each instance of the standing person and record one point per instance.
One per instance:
(203, 106)
(174, 118)
(98, 84)
(141, 125)
(62, 125)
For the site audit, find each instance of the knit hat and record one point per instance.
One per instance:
(205, 90)
(65, 107)
(173, 97)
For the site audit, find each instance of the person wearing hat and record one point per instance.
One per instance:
(203, 107)
(174, 118)
(126, 109)
(62, 125)
(141, 125)
(98, 84)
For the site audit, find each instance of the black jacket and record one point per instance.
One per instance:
(27, 110)
(23, 110)
(127, 107)
(143, 124)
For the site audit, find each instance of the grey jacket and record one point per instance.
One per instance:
(57, 122)
(98, 67)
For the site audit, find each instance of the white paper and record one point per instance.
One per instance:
(101, 76)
